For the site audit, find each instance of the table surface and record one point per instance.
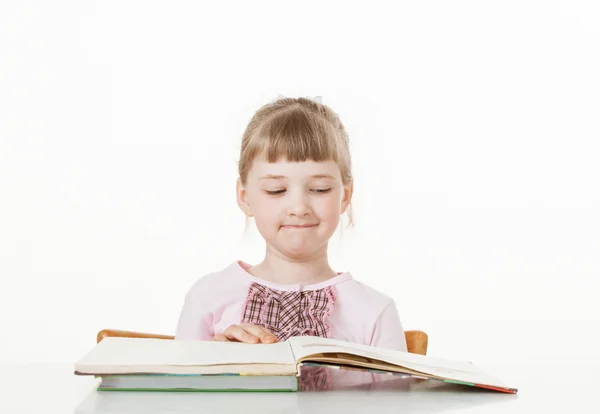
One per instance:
(544, 385)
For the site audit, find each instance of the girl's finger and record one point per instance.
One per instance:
(236, 332)
(271, 337)
(263, 334)
(220, 338)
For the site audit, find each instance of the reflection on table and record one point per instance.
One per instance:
(321, 389)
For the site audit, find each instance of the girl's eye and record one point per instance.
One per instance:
(275, 192)
(317, 190)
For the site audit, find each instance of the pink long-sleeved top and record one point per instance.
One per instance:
(339, 308)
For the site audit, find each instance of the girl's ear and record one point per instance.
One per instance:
(347, 196)
(242, 198)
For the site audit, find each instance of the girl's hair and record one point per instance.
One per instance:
(297, 129)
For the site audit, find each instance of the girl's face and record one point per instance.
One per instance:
(296, 205)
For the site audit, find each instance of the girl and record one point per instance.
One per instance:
(295, 180)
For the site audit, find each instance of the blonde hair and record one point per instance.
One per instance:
(297, 129)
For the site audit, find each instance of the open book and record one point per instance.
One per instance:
(141, 363)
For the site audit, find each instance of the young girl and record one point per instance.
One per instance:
(295, 180)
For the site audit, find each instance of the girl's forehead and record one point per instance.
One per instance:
(294, 170)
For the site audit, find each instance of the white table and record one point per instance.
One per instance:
(53, 388)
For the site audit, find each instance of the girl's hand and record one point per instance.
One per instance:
(248, 333)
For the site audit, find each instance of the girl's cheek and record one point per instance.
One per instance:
(268, 209)
(330, 206)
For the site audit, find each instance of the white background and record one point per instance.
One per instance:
(474, 128)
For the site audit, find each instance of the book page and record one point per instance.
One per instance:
(133, 352)
(304, 347)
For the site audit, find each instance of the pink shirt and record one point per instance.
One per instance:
(350, 310)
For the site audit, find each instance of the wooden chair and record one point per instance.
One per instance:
(416, 341)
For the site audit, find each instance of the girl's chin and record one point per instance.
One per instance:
(294, 250)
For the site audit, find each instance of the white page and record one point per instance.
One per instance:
(457, 370)
(114, 351)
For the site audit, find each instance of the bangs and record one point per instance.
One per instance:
(294, 135)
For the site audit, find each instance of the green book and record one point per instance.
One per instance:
(199, 383)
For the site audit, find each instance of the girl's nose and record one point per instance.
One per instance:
(299, 206)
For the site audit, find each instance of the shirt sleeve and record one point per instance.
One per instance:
(195, 322)
(388, 331)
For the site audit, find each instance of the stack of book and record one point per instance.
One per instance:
(143, 364)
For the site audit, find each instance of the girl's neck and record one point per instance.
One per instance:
(279, 269)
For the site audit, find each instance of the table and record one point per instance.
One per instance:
(567, 384)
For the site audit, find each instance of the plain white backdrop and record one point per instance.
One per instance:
(474, 128)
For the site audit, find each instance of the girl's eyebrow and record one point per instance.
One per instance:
(279, 177)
